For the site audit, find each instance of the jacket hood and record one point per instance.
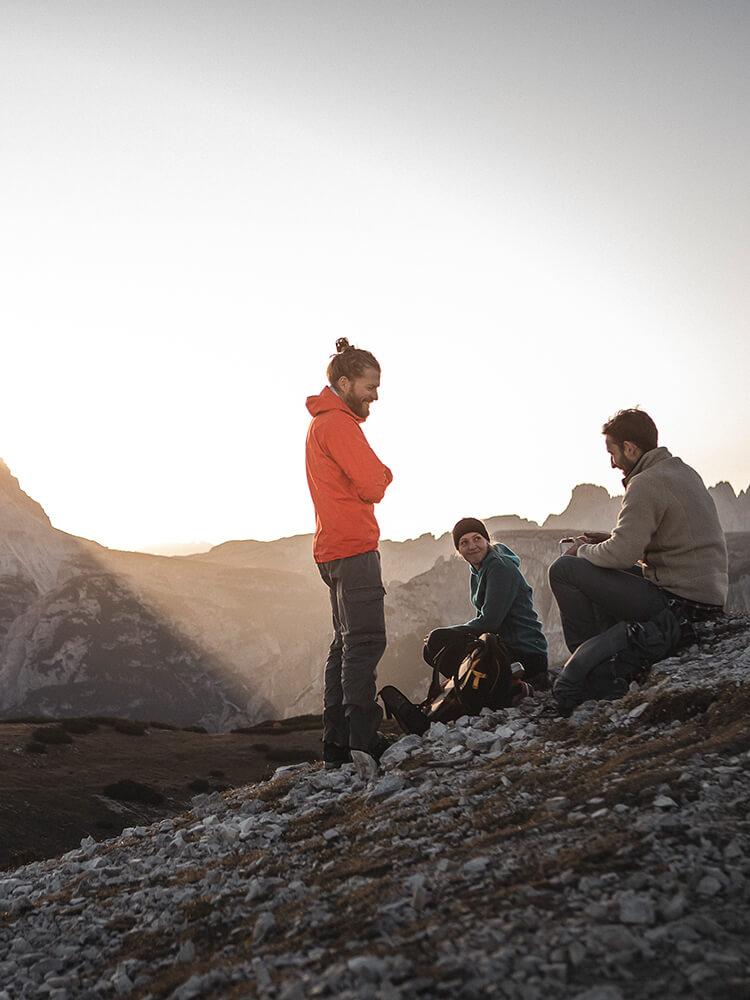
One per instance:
(504, 551)
(499, 552)
(326, 401)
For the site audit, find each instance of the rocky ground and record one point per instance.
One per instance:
(519, 855)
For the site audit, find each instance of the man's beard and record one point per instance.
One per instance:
(358, 406)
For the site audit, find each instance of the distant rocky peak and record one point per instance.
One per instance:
(586, 492)
(590, 508)
(723, 489)
(733, 508)
(12, 496)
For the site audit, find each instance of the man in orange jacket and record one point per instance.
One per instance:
(346, 480)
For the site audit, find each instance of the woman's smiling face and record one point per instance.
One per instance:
(473, 547)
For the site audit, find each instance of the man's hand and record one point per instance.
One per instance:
(587, 538)
(577, 542)
(594, 537)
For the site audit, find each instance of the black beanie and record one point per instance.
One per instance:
(467, 524)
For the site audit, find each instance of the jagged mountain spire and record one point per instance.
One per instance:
(13, 497)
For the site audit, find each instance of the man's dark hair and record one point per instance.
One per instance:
(349, 361)
(632, 425)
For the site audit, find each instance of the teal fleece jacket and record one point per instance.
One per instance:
(503, 600)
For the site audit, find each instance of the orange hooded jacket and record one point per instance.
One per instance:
(346, 480)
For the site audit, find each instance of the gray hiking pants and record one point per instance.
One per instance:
(351, 715)
(592, 599)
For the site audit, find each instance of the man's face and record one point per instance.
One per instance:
(358, 393)
(473, 547)
(623, 456)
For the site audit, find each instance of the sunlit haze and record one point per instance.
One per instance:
(533, 214)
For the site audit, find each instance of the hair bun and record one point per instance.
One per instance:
(349, 362)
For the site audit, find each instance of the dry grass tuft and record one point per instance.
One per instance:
(198, 909)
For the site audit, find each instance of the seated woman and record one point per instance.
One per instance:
(504, 605)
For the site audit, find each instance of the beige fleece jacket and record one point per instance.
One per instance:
(668, 523)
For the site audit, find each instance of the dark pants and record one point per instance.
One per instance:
(351, 715)
(592, 599)
(446, 647)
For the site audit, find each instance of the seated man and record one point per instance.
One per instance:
(667, 544)
(504, 605)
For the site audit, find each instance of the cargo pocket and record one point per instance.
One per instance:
(364, 613)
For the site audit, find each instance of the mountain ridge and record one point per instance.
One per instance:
(228, 637)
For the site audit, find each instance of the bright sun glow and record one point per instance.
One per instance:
(526, 232)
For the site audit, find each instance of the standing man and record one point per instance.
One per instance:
(667, 543)
(346, 480)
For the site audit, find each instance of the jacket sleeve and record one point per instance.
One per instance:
(637, 522)
(347, 446)
(498, 599)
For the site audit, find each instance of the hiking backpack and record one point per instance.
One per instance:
(483, 678)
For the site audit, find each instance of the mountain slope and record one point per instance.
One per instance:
(601, 857)
(80, 634)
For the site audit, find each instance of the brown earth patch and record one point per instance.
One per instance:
(50, 801)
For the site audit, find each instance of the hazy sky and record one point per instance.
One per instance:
(532, 213)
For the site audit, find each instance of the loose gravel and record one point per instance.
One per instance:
(517, 854)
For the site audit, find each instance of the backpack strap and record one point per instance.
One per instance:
(469, 643)
(435, 685)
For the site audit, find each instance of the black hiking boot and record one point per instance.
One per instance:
(334, 755)
(379, 747)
